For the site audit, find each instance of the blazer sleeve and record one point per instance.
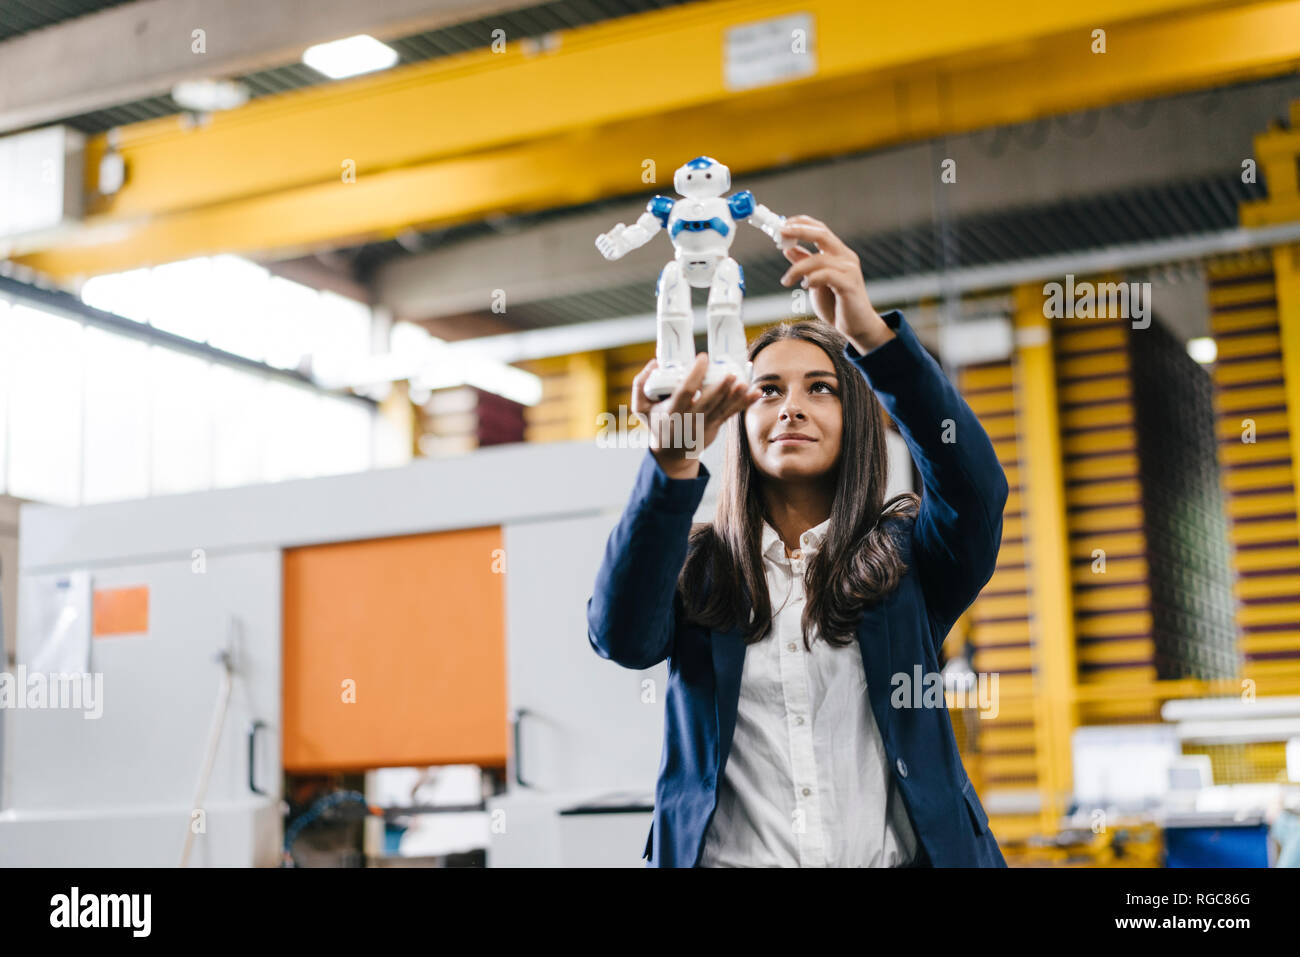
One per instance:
(632, 612)
(958, 531)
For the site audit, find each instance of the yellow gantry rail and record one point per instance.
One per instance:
(461, 138)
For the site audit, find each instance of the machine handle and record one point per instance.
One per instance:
(519, 750)
(252, 743)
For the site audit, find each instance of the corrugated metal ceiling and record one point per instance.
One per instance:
(23, 16)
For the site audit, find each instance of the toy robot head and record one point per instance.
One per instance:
(701, 178)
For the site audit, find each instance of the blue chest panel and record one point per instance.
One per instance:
(699, 226)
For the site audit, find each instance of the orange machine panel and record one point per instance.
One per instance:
(394, 652)
(120, 611)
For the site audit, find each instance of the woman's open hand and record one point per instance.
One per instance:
(833, 276)
(684, 424)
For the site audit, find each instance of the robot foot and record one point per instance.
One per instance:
(663, 382)
(719, 369)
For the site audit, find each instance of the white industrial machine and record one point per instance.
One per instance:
(174, 751)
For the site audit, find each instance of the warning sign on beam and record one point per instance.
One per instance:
(769, 52)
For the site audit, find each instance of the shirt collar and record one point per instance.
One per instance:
(809, 541)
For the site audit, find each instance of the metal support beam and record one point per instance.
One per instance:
(1278, 154)
(627, 330)
(587, 396)
(1051, 594)
(1286, 276)
(458, 139)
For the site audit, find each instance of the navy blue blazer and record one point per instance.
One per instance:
(635, 618)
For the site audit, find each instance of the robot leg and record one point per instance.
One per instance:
(675, 342)
(727, 346)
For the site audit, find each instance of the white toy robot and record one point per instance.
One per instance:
(701, 227)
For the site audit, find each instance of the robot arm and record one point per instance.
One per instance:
(621, 240)
(743, 207)
(770, 223)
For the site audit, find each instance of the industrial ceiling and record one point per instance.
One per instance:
(478, 172)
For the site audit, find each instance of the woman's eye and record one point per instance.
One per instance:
(815, 385)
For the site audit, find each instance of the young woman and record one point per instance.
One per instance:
(798, 623)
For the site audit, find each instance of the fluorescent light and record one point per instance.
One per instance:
(1203, 349)
(349, 56)
(206, 96)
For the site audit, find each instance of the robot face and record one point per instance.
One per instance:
(701, 178)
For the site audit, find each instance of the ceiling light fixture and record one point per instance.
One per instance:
(350, 56)
(207, 96)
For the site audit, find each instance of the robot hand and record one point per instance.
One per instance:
(770, 223)
(613, 245)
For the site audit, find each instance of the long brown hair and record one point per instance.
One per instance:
(860, 560)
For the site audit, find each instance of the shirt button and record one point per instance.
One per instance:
(791, 646)
(806, 792)
(902, 767)
(799, 720)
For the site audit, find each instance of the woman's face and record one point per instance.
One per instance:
(800, 397)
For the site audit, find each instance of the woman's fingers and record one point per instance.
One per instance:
(803, 267)
(817, 233)
(717, 402)
(822, 277)
(714, 396)
(684, 397)
(814, 274)
(738, 396)
(806, 220)
(640, 402)
(737, 403)
(820, 237)
(742, 400)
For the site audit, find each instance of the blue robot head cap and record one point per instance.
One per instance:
(702, 177)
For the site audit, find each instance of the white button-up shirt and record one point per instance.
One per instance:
(807, 782)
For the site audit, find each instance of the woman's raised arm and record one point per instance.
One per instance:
(958, 532)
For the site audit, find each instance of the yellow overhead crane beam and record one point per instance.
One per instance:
(482, 133)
